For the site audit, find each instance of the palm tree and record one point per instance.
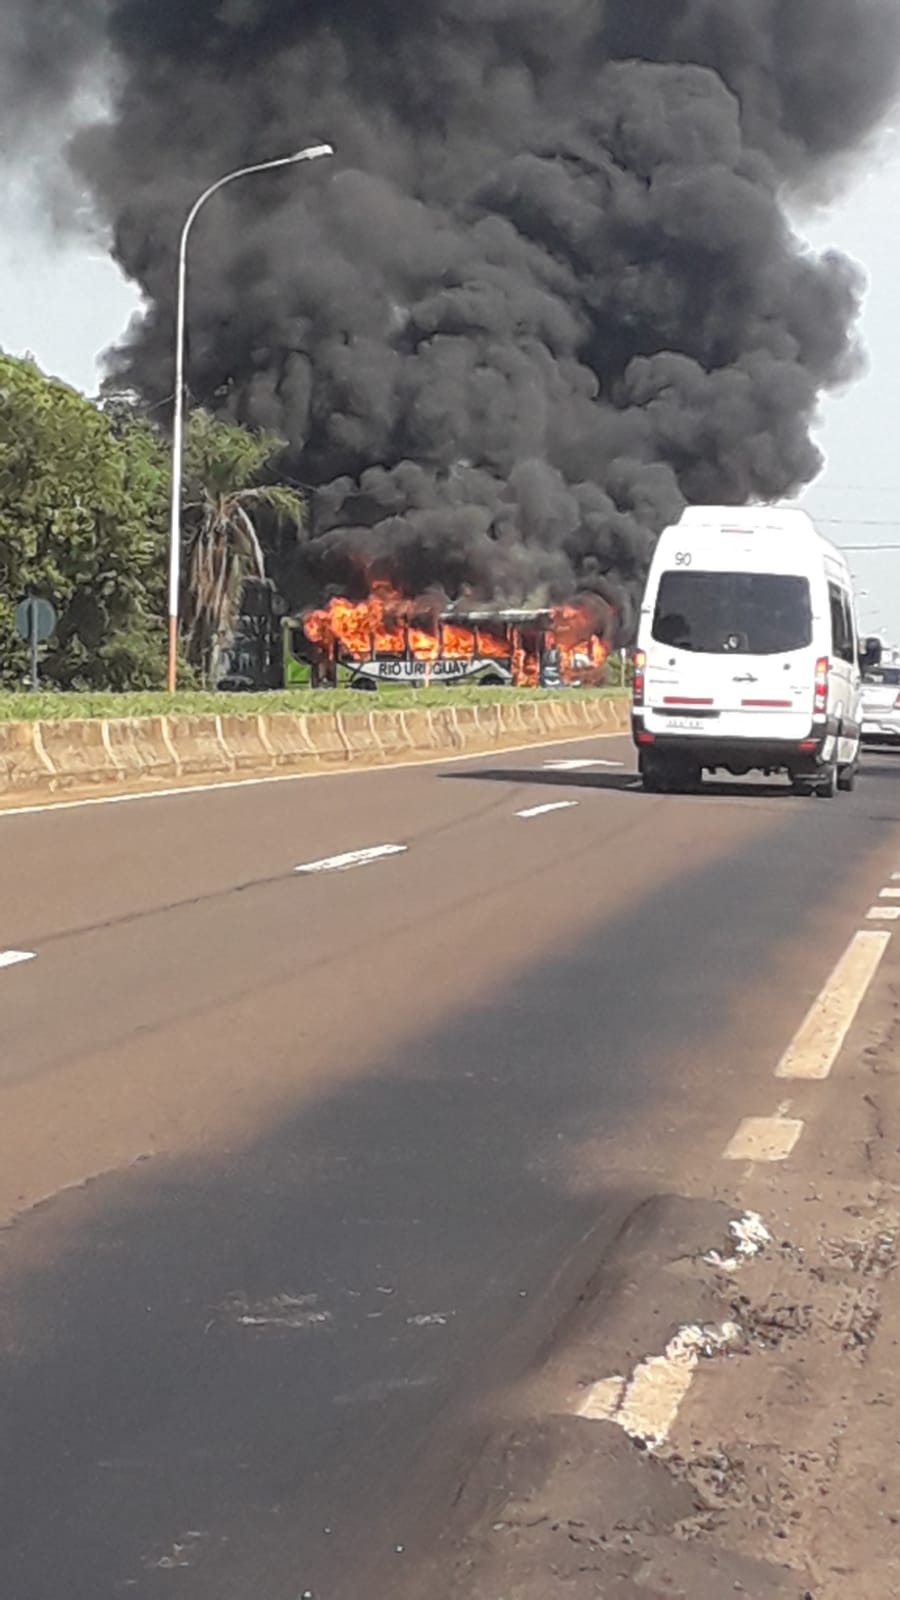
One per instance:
(224, 551)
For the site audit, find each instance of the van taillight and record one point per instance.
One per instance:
(820, 701)
(639, 666)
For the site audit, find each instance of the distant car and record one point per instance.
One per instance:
(881, 706)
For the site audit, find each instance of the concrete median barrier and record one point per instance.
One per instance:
(198, 745)
(289, 741)
(246, 743)
(512, 726)
(493, 728)
(556, 716)
(469, 731)
(79, 754)
(140, 746)
(24, 765)
(41, 758)
(421, 734)
(359, 734)
(444, 728)
(531, 719)
(327, 738)
(392, 734)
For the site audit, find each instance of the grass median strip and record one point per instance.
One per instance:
(64, 707)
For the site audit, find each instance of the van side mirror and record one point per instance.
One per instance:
(869, 655)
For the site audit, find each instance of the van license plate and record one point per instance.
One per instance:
(685, 725)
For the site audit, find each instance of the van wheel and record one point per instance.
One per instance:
(668, 775)
(686, 779)
(847, 779)
(651, 774)
(827, 787)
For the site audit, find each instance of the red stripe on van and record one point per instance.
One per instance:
(684, 700)
(769, 705)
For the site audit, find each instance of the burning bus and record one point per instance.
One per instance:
(387, 639)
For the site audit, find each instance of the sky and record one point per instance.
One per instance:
(64, 301)
(856, 500)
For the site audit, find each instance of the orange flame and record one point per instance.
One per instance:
(387, 623)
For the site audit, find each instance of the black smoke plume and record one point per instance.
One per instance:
(548, 291)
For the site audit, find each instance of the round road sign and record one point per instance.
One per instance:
(35, 618)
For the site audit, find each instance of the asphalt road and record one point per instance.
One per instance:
(303, 1172)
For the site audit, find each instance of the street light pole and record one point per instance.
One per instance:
(311, 153)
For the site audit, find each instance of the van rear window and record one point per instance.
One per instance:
(733, 613)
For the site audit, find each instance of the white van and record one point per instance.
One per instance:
(748, 654)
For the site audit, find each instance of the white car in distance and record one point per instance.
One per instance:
(881, 706)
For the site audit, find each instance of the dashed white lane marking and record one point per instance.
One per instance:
(764, 1139)
(541, 811)
(883, 913)
(647, 1405)
(579, 766)
(890, 894)
(817, 1043)
(288, 777)
(353, 858)
(13, 958)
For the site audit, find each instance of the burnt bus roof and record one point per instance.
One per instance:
(495, 616)
(463, 618)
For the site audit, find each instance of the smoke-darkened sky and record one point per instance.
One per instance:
(547, 291)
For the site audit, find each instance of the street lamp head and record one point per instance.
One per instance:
(314, 152)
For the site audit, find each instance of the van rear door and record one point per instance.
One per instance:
(731, 655)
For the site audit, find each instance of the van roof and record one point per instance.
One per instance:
(788, 522)
(758, 519)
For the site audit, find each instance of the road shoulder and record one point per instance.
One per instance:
(774, 1474)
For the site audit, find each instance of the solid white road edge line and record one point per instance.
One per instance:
(818, 1041)
(292, 777)
(353, 858)
(14, 958)
(541, 811)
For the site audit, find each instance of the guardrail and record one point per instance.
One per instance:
(42, 758)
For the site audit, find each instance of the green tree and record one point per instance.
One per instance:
(225, 468)
(82, 522)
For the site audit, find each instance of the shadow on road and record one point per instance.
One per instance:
(620, 782)
(232, 1366)
(548, 776)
